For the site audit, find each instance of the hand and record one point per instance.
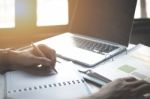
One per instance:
(125, 88)
(28, 60)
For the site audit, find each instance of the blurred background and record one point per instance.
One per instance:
(141, 26)
(25, 21)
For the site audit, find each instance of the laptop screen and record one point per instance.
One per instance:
(105, 19)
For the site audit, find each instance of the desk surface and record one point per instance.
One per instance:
(92, 87)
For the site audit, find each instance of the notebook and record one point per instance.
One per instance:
(136, 63)
(66, 84)
(98, 30)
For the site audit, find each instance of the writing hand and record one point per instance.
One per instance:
(29, 59)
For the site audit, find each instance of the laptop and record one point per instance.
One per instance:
(99, 29)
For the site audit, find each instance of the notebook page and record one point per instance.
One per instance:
(66, 84)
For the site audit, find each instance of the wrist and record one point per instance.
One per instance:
(5, 66)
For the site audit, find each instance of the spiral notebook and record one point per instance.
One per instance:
(66, 84)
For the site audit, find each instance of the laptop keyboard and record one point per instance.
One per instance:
(96, 47)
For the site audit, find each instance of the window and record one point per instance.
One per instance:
(46, 12)
(138, 10)
(148, 8)
(142, 9)
(7, 13)
(52, 12)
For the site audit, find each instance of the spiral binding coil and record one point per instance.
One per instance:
(38, 87)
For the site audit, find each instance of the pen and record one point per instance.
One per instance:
(94, 77)
(41, 54)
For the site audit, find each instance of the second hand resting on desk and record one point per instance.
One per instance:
(42, 55)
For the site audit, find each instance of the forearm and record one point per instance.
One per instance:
(3, 60)
(2, 56)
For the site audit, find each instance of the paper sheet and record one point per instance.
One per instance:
(66, 84)
(135, 63)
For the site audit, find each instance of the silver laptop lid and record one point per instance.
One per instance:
(105, 19)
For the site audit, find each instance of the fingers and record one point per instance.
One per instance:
(137, 88)
(133, 82)
(142, 89)
(43, 61)
(49, 53)
(129, 79)
(137, 83)
(38, 71)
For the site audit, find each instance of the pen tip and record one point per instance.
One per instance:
(55, 70)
